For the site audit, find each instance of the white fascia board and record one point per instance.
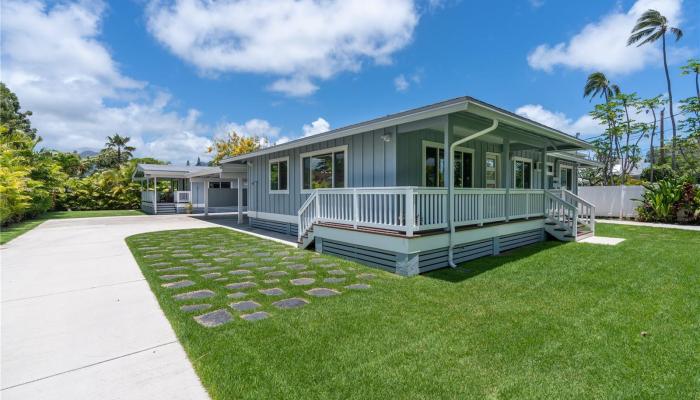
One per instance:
(570, 157)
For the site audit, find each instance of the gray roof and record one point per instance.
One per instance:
(174, 170)
(432, 110)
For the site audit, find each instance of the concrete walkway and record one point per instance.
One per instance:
(650, 224)
(79, 320)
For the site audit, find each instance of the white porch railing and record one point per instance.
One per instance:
(585, 210)
(147, 196)
(414, 209)
(183, 196)
(560, 210)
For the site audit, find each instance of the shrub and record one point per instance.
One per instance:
(670, 200)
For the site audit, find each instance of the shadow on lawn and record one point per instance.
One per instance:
(479, 266)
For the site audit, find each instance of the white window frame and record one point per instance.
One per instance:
(428, 143)
(566, 166)
(548, 165)
(498, 167)
(532, 169)
(336, 149)
(269, 175)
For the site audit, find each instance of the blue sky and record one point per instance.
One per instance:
(172, 75)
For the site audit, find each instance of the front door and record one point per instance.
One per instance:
(492, 166)
(566, 178)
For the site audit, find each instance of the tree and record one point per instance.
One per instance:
(650, 27)
(650, 106)
(596, 85)
(199, 162)
(120, 145)
(11, 116)
(232, 145)
(693, 67)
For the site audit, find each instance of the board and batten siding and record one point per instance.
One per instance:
(371, 162)
(410, 161)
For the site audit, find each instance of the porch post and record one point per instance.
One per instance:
(240, 200)
(155, 195)
(447, 174)
(508, 170)
(544, 168)
(206, 197)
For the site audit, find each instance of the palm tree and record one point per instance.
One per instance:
(120, 144)
(693, 67)
(650, 27)
(650, 106)
(598, 84)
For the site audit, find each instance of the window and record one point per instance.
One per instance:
(566, 177)
(278, 175)
(226, 185)
(214, 185)
(550, 169)
(434, 166)
(492, 168)
(324, 169)
(522, 173)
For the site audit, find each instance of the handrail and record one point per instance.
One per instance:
(305, 222)
(586, 210)
(562, 211)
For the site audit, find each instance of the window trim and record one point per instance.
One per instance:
(269, 175)
(532, 170)
(550, 173)
(566, 166)
(498, 168)
(430, 143)
(331, 150)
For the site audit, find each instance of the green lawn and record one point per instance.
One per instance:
(550, 320)
(8, 233)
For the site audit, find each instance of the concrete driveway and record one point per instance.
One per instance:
(79, 320)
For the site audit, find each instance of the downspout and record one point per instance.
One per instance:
(450, 193)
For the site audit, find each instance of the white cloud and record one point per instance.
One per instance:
(52, 59)
(401, 83)
(602, 45)
(585, 125)
(316, 127)
(254, 127)
(299, 42)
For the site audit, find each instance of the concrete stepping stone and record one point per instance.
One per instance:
(191, 260)
(221, 260)
(297, 267)
(334, 280)
(214, 318)
(318, 260)
(270, 281)
(268, 260)
(209, 254)
(178, 284)
(322, 292)
(256, 316)
(281, 254)
(248, 264)
(181, 255)
(241, 285)
(307, 273)
(172, 269)
(294, 302)
(358, 286)
(366, 276)
(221, 279)
(160, 264)
(336, 272)
(206, 269)
(263, 254)
(294, 258)
(237, 295)
(148, 248)
(265, 268)
(194, 307)
(302, 281)
(197, 294)
(200, 246)
(172, 276)
(153, 256)
(272, 292)
(211, 275)
(202, 264)
(277, 273)
(247, 277)
(329, 266)
(244, 305)
(240, 272)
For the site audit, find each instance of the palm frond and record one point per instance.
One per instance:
(652, 38)
(677, 33)
(638, 35)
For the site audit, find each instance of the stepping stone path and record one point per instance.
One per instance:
(318, 260)
(202, 264)
(200, 246)
(277, 273)
(244, 305)
(306, 273)
(240, 272)
(366, 276)
(221, 260)
(261, 254)
(237, 295)
(160, 264)
(281, 254)
(322, 292)
(334, 280)
(221, 279)
(294, 258)
(271, 281)
(265, 268)
(272, 292)
(171, 277)
(194, 307)
(197, 294)
(205, 269)
(214, 318)
(329, 266)
(302, 281)
(153, 256)
(336, 272)
(297, 267)
(172, 269)
(211, 275)
(178, 284)
(358, 286)
(248, 264)
(256, 316)
(182, 255)
(191, 260)
(241, 285)
(293, 302)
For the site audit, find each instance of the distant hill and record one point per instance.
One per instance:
(88, 153)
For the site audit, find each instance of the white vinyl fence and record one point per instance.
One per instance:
(613, 201)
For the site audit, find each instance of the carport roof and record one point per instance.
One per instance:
(173, 171)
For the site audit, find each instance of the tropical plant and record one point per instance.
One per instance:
(120, 144)
(598, 85)
(675, 199)
(232, 145)
(649, 106)
(693, 67)
(650, 27)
